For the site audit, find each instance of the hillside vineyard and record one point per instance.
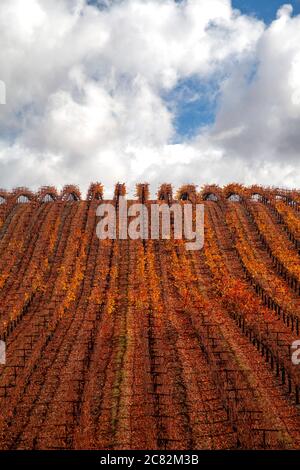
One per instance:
(141, 344)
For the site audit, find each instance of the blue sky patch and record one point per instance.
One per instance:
(195, 107)
(264, 9)
(193, 103)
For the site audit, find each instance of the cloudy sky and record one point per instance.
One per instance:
(191, 91)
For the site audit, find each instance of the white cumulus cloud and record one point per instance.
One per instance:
(85, 90)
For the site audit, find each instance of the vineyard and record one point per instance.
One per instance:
(142, 344)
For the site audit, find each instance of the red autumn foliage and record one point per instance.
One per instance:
(140, 344)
